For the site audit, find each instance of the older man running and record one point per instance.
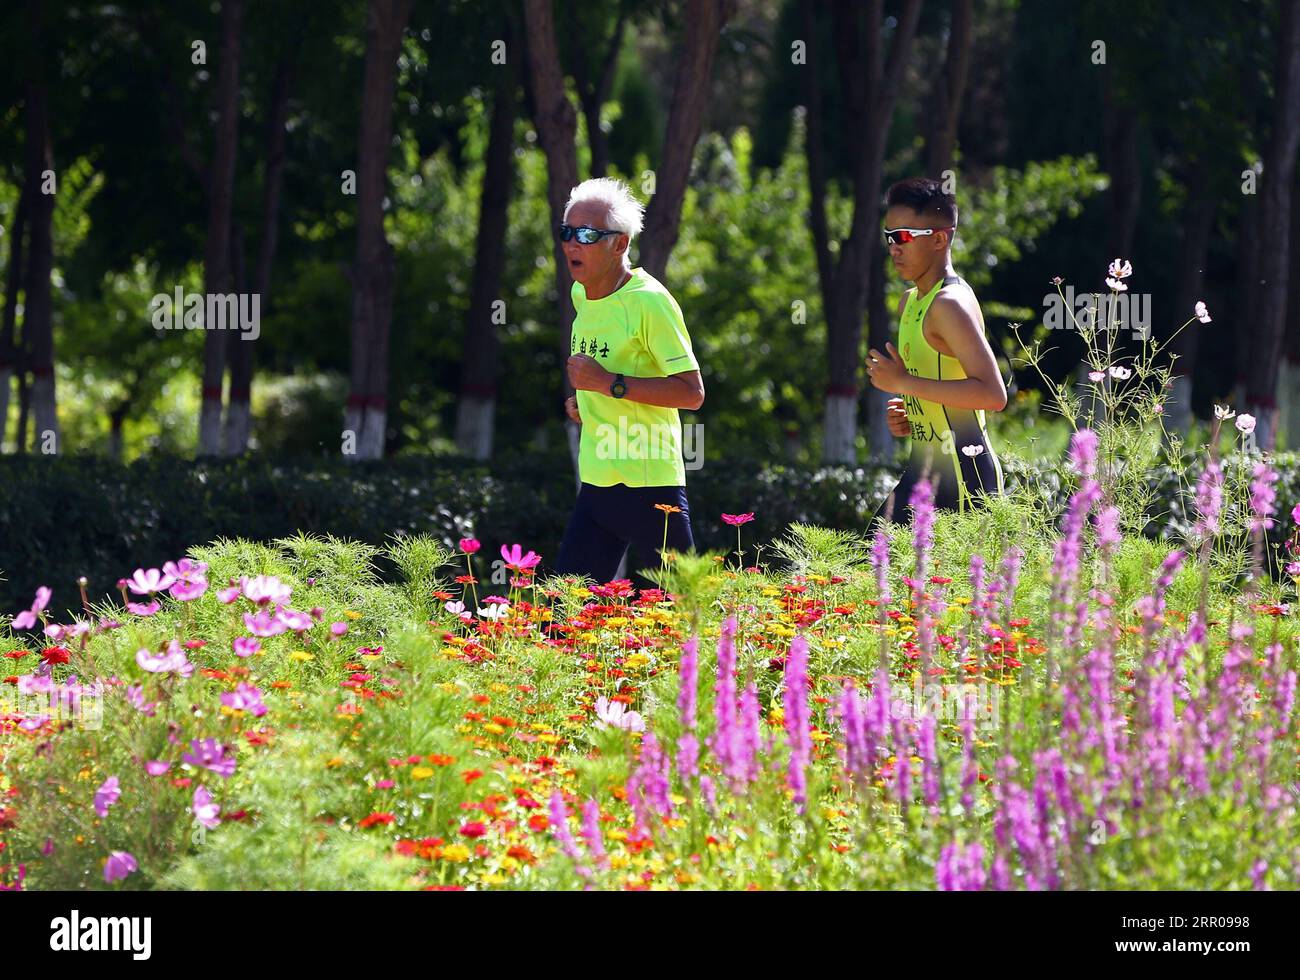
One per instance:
(632, 368)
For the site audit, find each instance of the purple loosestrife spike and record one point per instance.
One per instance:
(922, 504)
(1083, 453)
(688, 757)
(591, 835)
(880, 564)
(797, 718)
(750, 717)
(1209, 498)
(930, 761)
(560, 828)
(723, 741)
(1263, 497)
(689, 672)
(1010, 577)
(969, 767)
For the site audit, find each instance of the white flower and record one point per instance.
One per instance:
(1120, 373)
(455, 608)
(972, 451)
(1223, 413)
(614, 714)
(1245, 424)
(495, 611)
(1096, 375)
(1116, 285)
(1202, 313)
(1120, 269)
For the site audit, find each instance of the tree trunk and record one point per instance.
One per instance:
(685, 119)
(239, 356)
(373, 267)
(1278, 180)
(216, 256)
(949, 87)
(239, 412)
(593, 94)
(1197, 223)
(476, 410)
(557, 125)
(1120, 132)
(870, 83)
(10, 362)
(1290, 382)
(38, 321)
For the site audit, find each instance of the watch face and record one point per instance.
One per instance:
(618, 389)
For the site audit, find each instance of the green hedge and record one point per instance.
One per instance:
(62, 517)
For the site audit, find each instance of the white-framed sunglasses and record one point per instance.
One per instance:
(901, 236)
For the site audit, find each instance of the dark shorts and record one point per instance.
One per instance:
(606, 520)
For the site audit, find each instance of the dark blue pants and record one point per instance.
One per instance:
(606, 520)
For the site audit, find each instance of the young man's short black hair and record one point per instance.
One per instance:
(926, 196)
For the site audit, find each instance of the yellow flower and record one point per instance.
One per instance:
(351, 615)
(447, 687)
(334, 763)
(455, 853)
(302, 656)
(776, 716)
(494, 728)
(421, 772)
(820, 736)
(617, 834)
(499, 688)
(616, 621)
(492, 879)
(618, 861)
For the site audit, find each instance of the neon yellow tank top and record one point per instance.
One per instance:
(940, 431)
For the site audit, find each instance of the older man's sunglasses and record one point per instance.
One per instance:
(585, 234)
(901, 236)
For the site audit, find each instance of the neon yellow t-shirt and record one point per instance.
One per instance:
(636, 331)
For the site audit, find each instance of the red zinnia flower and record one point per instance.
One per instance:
(475, 828)
(55, 655)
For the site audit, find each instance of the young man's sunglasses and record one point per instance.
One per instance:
(901, 236)
(584, 233)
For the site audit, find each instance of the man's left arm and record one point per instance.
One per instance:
(952, 323)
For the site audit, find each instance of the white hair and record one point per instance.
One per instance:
(625, 211)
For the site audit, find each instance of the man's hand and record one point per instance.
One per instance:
(887, 371)
(571, 408)
(896, 416)
(586, 374)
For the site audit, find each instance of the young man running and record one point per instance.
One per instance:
(946, 375)
(632, 368)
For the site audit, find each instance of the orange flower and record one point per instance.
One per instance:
(668, 508)
(471, 774)
(441, 760)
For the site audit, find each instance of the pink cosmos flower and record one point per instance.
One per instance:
(469, 545)
(265, 589)
(245, 697)
(156, 767)
(27, 618)
(262, 623)
(173, 661)
(135, 698)
(245, 646)
(119, 865)
(1202, 313)
(204, 809)
(210, 754)
(614, 714)
(106, 795)
(148, 582)
(736, 520)
(514, 557)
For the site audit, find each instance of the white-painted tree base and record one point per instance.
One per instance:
(475, 418)
(841, 430)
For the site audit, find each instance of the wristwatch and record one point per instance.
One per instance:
(619, 387)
